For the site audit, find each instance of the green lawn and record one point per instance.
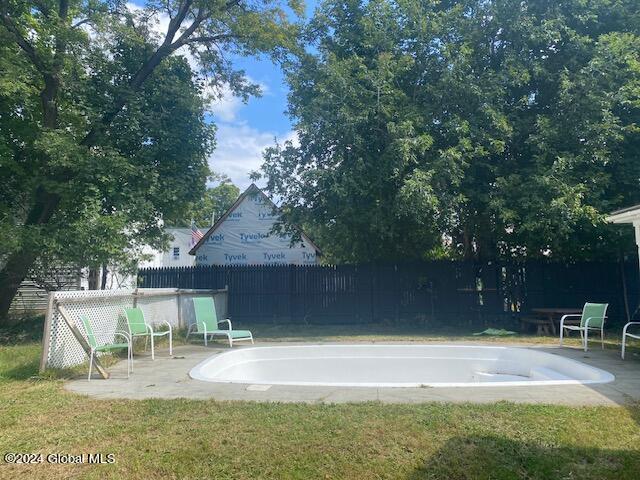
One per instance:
(199, 439)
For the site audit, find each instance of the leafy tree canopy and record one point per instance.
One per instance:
(476, 129)
(213, 204)
(102, 119)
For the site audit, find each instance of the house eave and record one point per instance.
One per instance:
(625, 215)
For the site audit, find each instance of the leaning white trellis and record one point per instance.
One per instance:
(61, 348)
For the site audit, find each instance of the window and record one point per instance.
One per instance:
(176, 253)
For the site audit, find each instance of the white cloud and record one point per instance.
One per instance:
(292, 137)
(224, 105)
(239, 151)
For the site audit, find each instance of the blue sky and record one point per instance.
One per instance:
(245, 130)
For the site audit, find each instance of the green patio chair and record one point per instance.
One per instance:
(138, 327)
(92, 336)
(207, 323)
(592, 318)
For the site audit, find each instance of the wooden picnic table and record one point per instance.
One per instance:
(548, 315)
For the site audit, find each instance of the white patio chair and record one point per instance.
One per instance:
(591, 319)
(626, 334)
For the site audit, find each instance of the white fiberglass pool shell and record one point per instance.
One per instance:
(396, 366)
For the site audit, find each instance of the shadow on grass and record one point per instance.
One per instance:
(23, 330)
(21, 371)
(21, 362)
(500, 458)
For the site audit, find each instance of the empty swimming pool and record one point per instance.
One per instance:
(396, 366)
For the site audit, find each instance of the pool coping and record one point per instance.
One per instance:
(168, 377)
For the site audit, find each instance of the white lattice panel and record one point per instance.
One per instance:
(102, 307)
(104, 310)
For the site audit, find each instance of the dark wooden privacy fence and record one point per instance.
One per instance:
(437, 292)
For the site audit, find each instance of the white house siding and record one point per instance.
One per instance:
(33, 297)
(629, 215)
(182, 242)
(244, 238)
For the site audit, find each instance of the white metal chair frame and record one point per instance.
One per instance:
(584, 330)
(151, 334)
(110, 334)
(218, 332)
(625, 334)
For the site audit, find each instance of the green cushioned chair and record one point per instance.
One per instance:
(207, 323)
(96, 346)
(138, 327)
(592, 318)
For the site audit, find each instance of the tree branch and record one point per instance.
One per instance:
(167, 7)
(176, 22)
(211, 38)
(231, 3)
(43, 7)
(182, 40)
(167, 47)
(23, 43)
(82, 22)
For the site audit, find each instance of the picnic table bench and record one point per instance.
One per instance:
(545, 319)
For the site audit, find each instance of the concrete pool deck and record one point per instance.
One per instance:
(168, 377)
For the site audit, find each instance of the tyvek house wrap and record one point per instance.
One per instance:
(244, 238)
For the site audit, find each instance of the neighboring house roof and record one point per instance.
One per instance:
(253, 188)
(179, 233)
(625, 215)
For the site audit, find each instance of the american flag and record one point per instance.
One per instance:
(196, 234)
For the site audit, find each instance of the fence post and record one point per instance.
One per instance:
(372, 286)
(226, 303)
(625, 295)
(291, 290)
(179, 299)
(46, 340)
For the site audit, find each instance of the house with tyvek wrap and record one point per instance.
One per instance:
(244, 236)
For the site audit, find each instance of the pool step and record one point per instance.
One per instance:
(498, 377)
(543, 373)
(535, 374)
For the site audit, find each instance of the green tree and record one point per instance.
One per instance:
(480, 129)
(102, 132)
(214, 202)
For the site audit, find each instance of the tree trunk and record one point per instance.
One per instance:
(20, 262)
(103, 280)
(92, 280)
(467, 247)
(14, 272)
(45, 204)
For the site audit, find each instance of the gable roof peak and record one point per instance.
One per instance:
(251, 189)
